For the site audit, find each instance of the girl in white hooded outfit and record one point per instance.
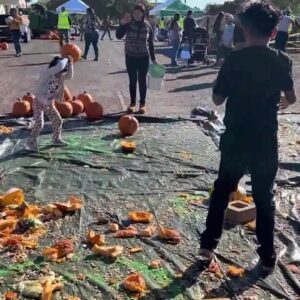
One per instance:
(51, 87)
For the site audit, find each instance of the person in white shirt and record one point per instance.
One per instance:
(285, 24)
(50, 88)
(227, 37)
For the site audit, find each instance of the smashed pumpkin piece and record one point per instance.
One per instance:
(72, 205)
(15, 240)
(134, 283)
(126, 233)
(169, 234)
(7, 224)
(95, 239)
(60, 250)
(251, 225)
(9, 295)
(235, 272)
(135, 250)
(155, 264)
(49, 288)
(214, 268)
(13, 196)
(108, 251)
(148, 231)
(6, 232)
(128, 146)
(140, 216)
(113, 227)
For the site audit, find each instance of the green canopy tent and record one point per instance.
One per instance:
(170, 7)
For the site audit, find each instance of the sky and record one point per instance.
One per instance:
(202, 3)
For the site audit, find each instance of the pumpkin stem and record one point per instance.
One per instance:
(19, 99)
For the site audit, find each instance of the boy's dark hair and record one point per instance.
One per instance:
(260, 17)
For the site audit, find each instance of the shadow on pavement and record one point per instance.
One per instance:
(118, 72)
(192, 76)
(193, 87)
(29, 65)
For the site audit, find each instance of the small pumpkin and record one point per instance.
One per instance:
(21, 108)
(128, 146)
(78, 106)
(95, 239)
(71, 49)
(108, 251)
(4, 46)
(113, 227)
(169, 234)
(65, 109)
(134, 283)
(140, 216)
(85, 98)
(29, 97)
(128, 125)
(67, 94)
(94, 111)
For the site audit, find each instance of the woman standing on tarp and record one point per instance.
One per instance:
(138, 47)
(174, 36)
(91, 33)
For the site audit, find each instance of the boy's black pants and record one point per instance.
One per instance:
(259, 156)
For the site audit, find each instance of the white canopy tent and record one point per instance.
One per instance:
(74, 7)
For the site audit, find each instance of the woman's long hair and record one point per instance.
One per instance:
(175, 19)
(218, 22)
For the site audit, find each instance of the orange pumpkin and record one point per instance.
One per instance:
(65, 109)
(4, 46)
(71, 49)
(85, 98)
(128, 125)
(21, 108)
(67, 94)
(29, 97)
(140, 216)
(134, 283)
(77, 106)
(94, 111)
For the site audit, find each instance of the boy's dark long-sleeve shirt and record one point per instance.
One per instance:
(139, 39)
(252, 80)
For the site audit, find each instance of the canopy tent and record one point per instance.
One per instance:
(74, 7)
(170, 7)
(12, 2)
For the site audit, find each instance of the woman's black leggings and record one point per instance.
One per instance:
(91, 37)
(137, 68)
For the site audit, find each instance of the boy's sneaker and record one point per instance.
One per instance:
(131, 109)
(32, 146)
(59, 143)
(142, 109)
(206, 256)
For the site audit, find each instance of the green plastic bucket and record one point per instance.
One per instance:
(157, 71)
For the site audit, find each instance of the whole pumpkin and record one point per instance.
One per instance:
(94, 111)
(71, 49)
(78, 106)
(85, 98)
(4, 46)
(21, 108)
(128, 125)
(65, 109)
(67, 94)
(29, 97)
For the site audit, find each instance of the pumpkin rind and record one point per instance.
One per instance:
(140, 216)
(134, 283)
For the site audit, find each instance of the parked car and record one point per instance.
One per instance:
(4, 29)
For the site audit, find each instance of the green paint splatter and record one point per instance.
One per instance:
(179, 205)
(5, 273)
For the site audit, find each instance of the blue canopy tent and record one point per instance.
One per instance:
(74, 7)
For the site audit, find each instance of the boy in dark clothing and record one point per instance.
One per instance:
(251, 80)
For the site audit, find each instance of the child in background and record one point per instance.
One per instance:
(251, 80)
(51, 87)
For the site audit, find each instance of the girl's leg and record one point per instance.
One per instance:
(95, 44)
(132, 69)
(56, 120)
(143, 70)
(38, 118)
(88, 42)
